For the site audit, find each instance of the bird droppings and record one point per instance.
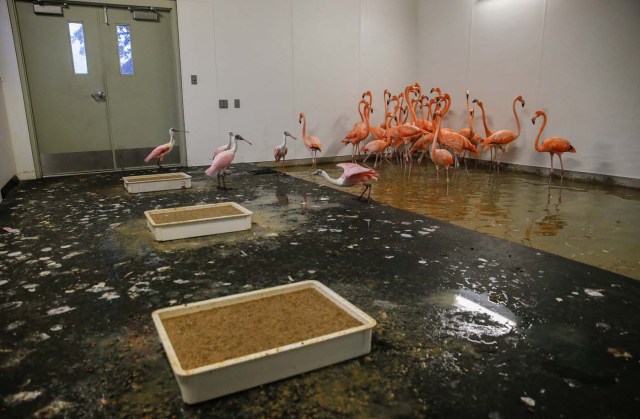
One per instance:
(59, 310)
(109, 296)
(593, 293)
(56, 328)
(528, 401)
(23, 396)
(15, 325)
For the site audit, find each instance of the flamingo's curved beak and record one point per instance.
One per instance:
(533, 120)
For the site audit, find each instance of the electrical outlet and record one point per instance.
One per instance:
(223, 103)
(194, 79)
(236, 103)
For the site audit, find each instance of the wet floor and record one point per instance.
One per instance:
(590, 223)
(468, 325)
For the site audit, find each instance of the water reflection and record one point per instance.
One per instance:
(594, 224)
(472, 316)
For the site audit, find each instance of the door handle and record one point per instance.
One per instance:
(99, 96)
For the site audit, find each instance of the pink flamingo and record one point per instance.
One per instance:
(440, 156)
(280, 152)
(223, 160)
(222, 148)
(161, 151)
(378, 146)
(353, 174)
(312, 143)
(360, 131)
(551, 145)
(502, 138)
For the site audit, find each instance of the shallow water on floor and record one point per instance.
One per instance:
(591, 223)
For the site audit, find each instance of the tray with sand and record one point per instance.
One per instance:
(224, 345)
(157, 182)
(197, 220)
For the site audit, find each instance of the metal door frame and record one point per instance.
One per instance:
(24, 82)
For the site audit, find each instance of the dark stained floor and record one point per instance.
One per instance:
(468, 325)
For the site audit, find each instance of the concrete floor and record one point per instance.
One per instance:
(468, 325)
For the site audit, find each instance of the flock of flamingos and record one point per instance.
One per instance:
(400, 136)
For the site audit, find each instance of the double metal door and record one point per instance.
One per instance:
(102, 83)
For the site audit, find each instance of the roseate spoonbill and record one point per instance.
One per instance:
(501, 138)
(280, 152)
(162, 150)
(439, 156)
(352, 174)
(312, 143)
(551, 145)
(222, 148)
(223, 160)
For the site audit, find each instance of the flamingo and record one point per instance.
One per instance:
(312, 143)
(469, 133)
(421, 145)
(161, 151)
(280, 152)
(487, 131)
(501, 138)
(386, 106)
(551, 145)
(223, 160)
(439, 156)
(360, 131)
(352, 174)
(378, 146)
(222, 148)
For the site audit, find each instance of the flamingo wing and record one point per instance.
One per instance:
(500, 137)
(157, 152)
(312, 143)
(557, 145)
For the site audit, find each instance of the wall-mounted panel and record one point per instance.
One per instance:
(388, 49)
(590, 83)
(197, 57)
(326, 42)
(254, 64)
(443, 50)
(506, 41)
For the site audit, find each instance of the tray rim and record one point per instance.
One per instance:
(147, 214)
(127, 179)
(367, 323)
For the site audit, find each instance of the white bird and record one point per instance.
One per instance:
(280, 152)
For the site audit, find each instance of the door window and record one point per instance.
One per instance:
(125, 53)
(78, 49)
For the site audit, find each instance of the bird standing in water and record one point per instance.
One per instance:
(162, 150)
(311, 142)
(551, 145)
(353, 174)
(223, 160)
(280, 152)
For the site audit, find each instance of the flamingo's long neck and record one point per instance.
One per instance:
(434, 146)
(471, 133)
(359, 111)
(304, 126)
(447, 105)
(487, 131)
(407, 95)
(367, 111)
(544, 123)
(517, 119)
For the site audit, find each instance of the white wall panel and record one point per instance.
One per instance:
(326, 42)
(443, 49)
(506, 42)
(388, 49)
(590, 83)
(197, 57)
(7, 164)
(254, 64)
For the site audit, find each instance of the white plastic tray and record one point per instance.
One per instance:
(199, 226)
(157, 182)
(222, 378)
